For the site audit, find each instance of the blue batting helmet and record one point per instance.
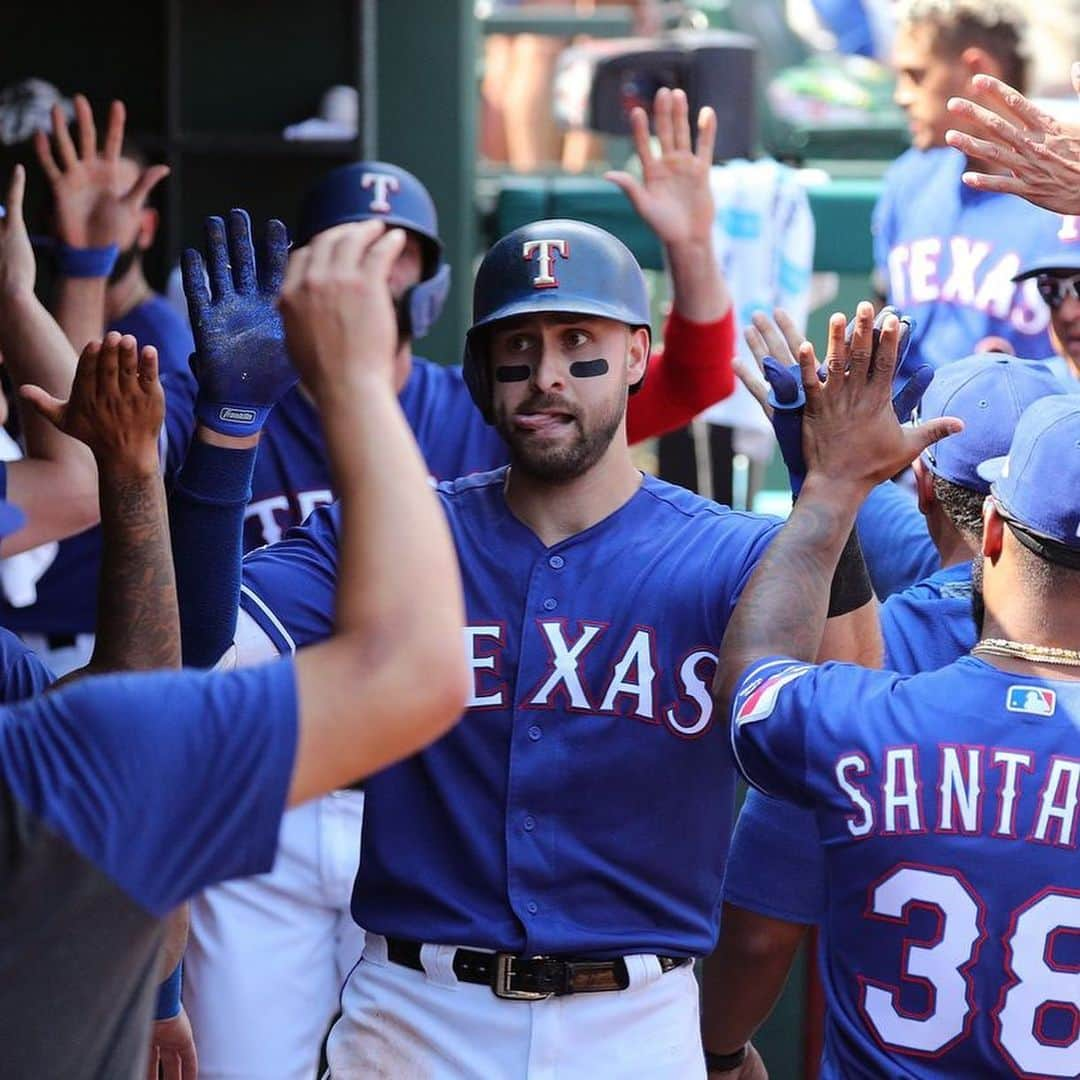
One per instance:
(558, 266)
(376, 190)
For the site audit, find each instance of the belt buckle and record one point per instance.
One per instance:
(502, 983)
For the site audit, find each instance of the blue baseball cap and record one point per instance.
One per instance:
(989, 392)
(1064, 259)
(1037, 484)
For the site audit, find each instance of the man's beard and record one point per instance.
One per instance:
(559, 464)
(978, 606)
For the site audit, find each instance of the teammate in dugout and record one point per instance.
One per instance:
(285, 942)
(936, 962)
(595, 601)
(123, 795)
(945, 252)
(692, 372)
(775, 880)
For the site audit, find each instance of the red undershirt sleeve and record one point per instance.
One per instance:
(691, 372)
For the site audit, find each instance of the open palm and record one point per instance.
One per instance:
(673, 195)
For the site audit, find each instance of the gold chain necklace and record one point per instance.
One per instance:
(1038, 654)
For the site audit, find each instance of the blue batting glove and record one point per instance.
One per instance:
(240, 362)
(787, 398)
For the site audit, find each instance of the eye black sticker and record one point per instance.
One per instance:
(512, 373)
(588, 369)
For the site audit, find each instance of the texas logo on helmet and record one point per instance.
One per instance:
(545, 250)
(759, 699)
(383, 183)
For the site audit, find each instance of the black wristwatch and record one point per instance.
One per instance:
(725, 1062)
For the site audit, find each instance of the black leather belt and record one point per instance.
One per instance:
(529, 978)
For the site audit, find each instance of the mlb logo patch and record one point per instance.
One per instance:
(761, 699)
(1033, 700)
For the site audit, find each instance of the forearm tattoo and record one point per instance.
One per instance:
(138, 625)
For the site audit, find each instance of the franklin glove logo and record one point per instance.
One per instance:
(231, 414)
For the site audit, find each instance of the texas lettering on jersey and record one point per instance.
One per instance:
(266, 520)
(625, 687)
(967, 273)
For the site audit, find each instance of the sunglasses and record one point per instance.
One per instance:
(1055, 290)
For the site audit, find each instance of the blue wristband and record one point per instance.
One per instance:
(168, 996)
(86, 262)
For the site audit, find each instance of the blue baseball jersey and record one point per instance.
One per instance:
(292, 474)
(547, 821)
(777, 865)
(120, 797)
(895, 541)
(67, 592)
(23, 674)
(951, 937)
(948, 254)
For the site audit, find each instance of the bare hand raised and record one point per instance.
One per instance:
(116, 405)
(673, 195)
(17, 267)
(851, 437)
(337, 307)
(1041, 154)
(95, 207)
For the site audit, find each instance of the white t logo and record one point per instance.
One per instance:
(382, 183)
(546, 250)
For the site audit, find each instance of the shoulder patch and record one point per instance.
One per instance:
(761, 697)
(1033, 700)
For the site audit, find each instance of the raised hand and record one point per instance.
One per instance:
(116, 405)
(240, 362)
(775, 379)
(673, 195)
(1001, 126)
(94, 206)
(17, 267)
(337, 306)
(851, 435)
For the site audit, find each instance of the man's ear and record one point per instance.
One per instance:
(149, 219)
(924, 486)
(638, 355)
(993, 531)
(978, 61)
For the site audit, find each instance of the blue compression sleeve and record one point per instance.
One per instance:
(206, 516)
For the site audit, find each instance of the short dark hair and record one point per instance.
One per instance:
(962, 506)
(1044, 577)
(996, 26)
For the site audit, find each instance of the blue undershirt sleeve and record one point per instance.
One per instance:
(206, 517)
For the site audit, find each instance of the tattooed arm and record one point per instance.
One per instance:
(851, 441)
(116, 408)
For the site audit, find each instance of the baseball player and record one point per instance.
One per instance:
(103, 225)
(1057, 275)
(691, 373)
(529, 857)
(774, 883)
(944, 252)
(124, 795)
(55, 483)
(936, 961)
(290, 936)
